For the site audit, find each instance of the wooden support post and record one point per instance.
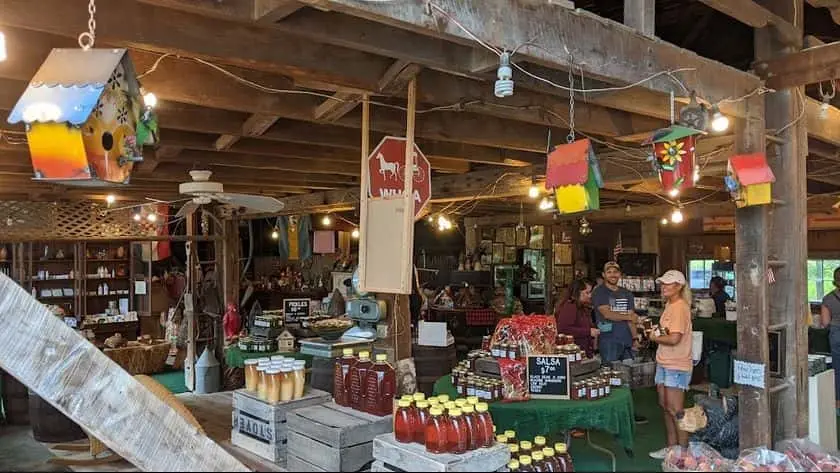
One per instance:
(189, 313)
(753, 310)
(650, 239)
(470, 236)
(788, 233)
(639, 15)
(229, 261)
(548, 244)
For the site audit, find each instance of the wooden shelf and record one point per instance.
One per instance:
(107, 260)
(49, 280)
(55, 297)
(116, 278)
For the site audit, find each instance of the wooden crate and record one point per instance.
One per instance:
(381, 467)
(260, 427)
(396, 456)
(330, 437)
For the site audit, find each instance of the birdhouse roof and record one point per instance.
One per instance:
(68, 85)
(673, 132)
(568, 164)
(751, 169)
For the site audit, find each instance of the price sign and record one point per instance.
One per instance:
(548, 376)
(749, 374)
(294, 309)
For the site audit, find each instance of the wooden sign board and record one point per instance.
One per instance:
(548, 376)
(294, 309)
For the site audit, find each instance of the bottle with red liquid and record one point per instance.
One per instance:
(550, 460)
(539, 462)
(340, 370)
(405, 422)
(457, 435)
(525, 464)
(513, 466)
(562, 457)
(472, 427)
(437, 432)
(356, 380)
(422, 410)
(380, 386)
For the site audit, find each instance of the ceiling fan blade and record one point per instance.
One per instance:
(254, 203)
(186, 209)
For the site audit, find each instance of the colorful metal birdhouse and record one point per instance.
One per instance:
(85, 121)
(673, 156)
(575, 176)
(749, 179)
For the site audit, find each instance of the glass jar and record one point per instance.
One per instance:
(436, 431)
(273, 380)
(575, 391)
(513, 351)
(574, 352)
(470, 386)
(252, 379)
(514, 450)
(405, 422)
(607, 386)
(287, 383)
(601, 388)
(511, 437)
(262, 382)
(300, 378)
(592, 391)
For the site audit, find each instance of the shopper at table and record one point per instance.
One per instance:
(673, 356)
(574, 317)
(830, 317)
(719, 295)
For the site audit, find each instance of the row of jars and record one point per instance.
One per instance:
(536, 455)
(443, 426)
(275, 379)
(572, 352)
(468, 384)
(511, 351)
(596, 387)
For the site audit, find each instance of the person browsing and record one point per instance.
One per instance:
(573, 315)
(718, 292)
(830, 317)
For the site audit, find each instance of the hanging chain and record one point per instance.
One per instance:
(87, 38)
(571, 136)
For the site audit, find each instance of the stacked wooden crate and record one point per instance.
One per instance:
(260, 427)
(329, 437)
(392, 456)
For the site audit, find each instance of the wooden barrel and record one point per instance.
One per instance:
(49, 425)
(322, 373)
(431, 363)
(15, 400)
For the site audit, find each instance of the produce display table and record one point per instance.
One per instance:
(613, 414)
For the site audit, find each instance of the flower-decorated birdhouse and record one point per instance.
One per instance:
(85, 121)
(575, 176)
(749, 179)
(673, 156)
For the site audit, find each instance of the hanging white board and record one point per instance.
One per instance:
(388, 256)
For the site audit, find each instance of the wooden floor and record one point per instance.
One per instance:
(213, 412)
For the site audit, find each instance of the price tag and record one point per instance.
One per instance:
(548, 376)
(749, 374)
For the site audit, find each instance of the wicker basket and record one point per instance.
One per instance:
(141, 359)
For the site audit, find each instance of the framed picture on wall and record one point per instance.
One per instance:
(498, 253)
(536, 240)
(521, 237)
(488, 233)
(510, 254)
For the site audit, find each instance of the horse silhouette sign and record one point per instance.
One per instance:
(386, 165)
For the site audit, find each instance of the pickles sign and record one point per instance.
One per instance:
(386, 166)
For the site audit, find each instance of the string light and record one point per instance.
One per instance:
(696, 176)
(677, 216)
(326, 221)
(664, 221)
(110, 199)
(533, 191)
(152, 217)
(443, 223)
(2, 47)
(720, 122)
(149, 99)
(137, 217)
(275, 235)
(546, 204)
(355, 234)
(674, 192)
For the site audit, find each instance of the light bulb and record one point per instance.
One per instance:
(110, 199)
(664, 221)
(546, 204)
(275, 234)
(137, 217)
(152, 217)
(2, 47)
(824, 109)
(627, 208)
(720, 122)
(431, 219)
(533, 191)
(326, 221)
(674, 192)
(355, 233)
(150, 100)
(696, 176)
(677, 216)
(504, 84)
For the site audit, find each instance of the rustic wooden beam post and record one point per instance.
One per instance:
(788, 232)
(753, 310)
(650, 239)
(640, 15)
(189, 313)
(548, 244)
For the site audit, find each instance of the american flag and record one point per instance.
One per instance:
(618, 247)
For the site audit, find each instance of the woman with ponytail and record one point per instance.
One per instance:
(673, 357)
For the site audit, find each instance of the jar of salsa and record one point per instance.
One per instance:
(574, 352)
(513, 351)
(607, 387)
(575, 391)
(511, 437)
(593, 391)
(457, 435)
(422, 410)
(436, 431)
(525, 447)
(470, 386)
(539, 462)
(405, 422)
(601, 388)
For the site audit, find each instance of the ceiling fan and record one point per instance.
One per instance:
(204, 191)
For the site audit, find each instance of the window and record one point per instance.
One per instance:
(699, 273)
(821, 278)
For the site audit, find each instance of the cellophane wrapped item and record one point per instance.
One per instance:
(514, 378)
(721, 432)
(534, 334)
(810, 456)
(697, 456)
(764, 459)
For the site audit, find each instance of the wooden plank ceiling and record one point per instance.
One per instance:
(298, 132)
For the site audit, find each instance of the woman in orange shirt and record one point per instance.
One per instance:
(673, 357)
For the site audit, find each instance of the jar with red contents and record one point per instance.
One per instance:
(437, 432)
(457, 434)
(475, 434)
(422, 412)
(405, 422)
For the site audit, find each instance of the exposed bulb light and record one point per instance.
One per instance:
(824, 109)
(675, 192)
(355, 234)
(676, 216)
(504, 85)
(627, 208)
(443, 223)
(149, 99)
(275, 235)
(533, 191)
(152, 217)
(137, 217)
(826, 99)
(696, 176)
(664, 221)
(326, 221)
(110, 199)
(720, 122)
(546, 204)
(2, 47)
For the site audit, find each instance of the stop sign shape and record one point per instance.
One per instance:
(386, 166)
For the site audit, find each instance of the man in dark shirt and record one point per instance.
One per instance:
(718, 293)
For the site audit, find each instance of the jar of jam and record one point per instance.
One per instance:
(569, 340)
(470, 386)
(607, 387)
(513, 466)
(511, 437)
(593, 390)
(574, 352)
(513, 351)
(514, 450)
(405, 422)
(422, 410)
(575, 391)
(525, 447)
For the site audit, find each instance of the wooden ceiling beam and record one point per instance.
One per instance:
(256, 125)
(201, 158)
(808, 66)
(832, 5)
(752, 14)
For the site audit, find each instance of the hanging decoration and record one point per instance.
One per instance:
(85, 120)
(674, 156)
(574, 174)
(749, 180)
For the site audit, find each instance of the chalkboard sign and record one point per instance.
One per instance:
(548, 376)
(294, 309)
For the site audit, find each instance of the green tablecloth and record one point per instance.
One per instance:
(235, 357)
(613, 414)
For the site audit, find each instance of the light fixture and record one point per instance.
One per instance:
(627, 208)
(674, 192)
(355, 234)
(826, 99)
(2, 46)
(137, 217)
(677, 216)
(149, 99)
(533, 191)
(152, 217)
(431, 219)
(664, 221)
(720, 122)
(110, 199)
(326, 221)
(696, 176)
(443, 223)
(504, 85)
(546, 204)
(275, 234)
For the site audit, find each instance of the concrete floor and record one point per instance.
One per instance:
(20, 452)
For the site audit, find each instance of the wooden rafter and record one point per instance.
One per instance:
(832, 5)
(808, 66)
(752, 14)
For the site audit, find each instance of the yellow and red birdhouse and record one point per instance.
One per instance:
(573, 172)
(750, 179)
(85, 121)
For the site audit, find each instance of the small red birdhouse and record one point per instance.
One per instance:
(673, 156)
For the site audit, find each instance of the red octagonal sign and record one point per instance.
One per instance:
(386, 166)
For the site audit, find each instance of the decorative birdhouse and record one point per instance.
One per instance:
(749, 179)
(673, 156)
(85, 122)
(285, 342)
(575, 176)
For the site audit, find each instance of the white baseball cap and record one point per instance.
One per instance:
(672, 276)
